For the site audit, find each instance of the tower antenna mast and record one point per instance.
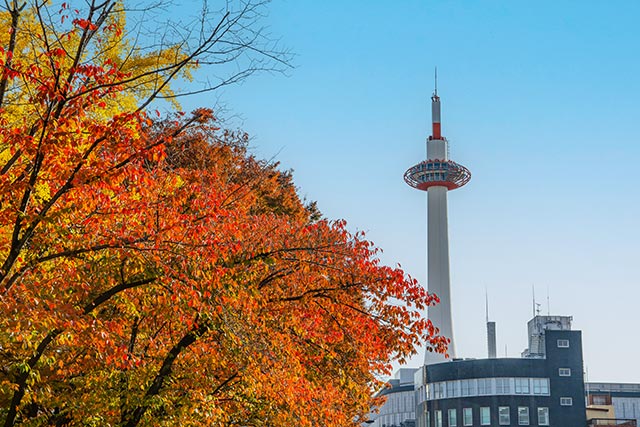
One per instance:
(436, 82)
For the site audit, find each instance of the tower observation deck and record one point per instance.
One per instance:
(437, 175)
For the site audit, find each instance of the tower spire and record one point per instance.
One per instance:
(435, 111)
(435, 92)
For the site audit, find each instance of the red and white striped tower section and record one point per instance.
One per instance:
(436, 176)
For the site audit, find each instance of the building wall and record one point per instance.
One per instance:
(571, 386)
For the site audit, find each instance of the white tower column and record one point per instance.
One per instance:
(438, 281)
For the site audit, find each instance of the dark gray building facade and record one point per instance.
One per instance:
(544, 388)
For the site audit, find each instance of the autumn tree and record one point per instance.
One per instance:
(152, 271)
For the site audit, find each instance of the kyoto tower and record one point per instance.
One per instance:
(436, 176)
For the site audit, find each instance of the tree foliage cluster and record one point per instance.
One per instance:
(152, 271)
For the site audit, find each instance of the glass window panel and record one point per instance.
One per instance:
(438, 418)
(451, 389)
(485, 416)
(523, 416)
(566, 401)
(484, 386)
(503, 386)
(543, 416)
(564, 372)
(503, 416)
(467, 415)
(522, 385)
(453, 422)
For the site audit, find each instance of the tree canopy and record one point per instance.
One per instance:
(154, 272)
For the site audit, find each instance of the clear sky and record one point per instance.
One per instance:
(540, 100)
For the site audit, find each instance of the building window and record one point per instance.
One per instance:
(487, 387)
(564, 372)
(522, 385)
(485, 416)
(468, 387)
(428, 420)
(484, 386)
(563, 343)
(543, 416)
(503, 386)
(438, 418)
(599, 399)
(467, 417)
(566, 401)
(437, 391)
(452, 389)
(453, 418)
(541, 386)
(503, 416)
(523, 416)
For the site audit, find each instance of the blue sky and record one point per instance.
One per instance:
(539, 100)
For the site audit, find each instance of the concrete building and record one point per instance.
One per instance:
(613, 404)
(546, 388)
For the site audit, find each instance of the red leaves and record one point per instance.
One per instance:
(58, 52)
(84, 24)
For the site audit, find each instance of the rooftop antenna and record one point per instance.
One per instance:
(486, 303)
(491, 330)
(548, 302)
(533, 292)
